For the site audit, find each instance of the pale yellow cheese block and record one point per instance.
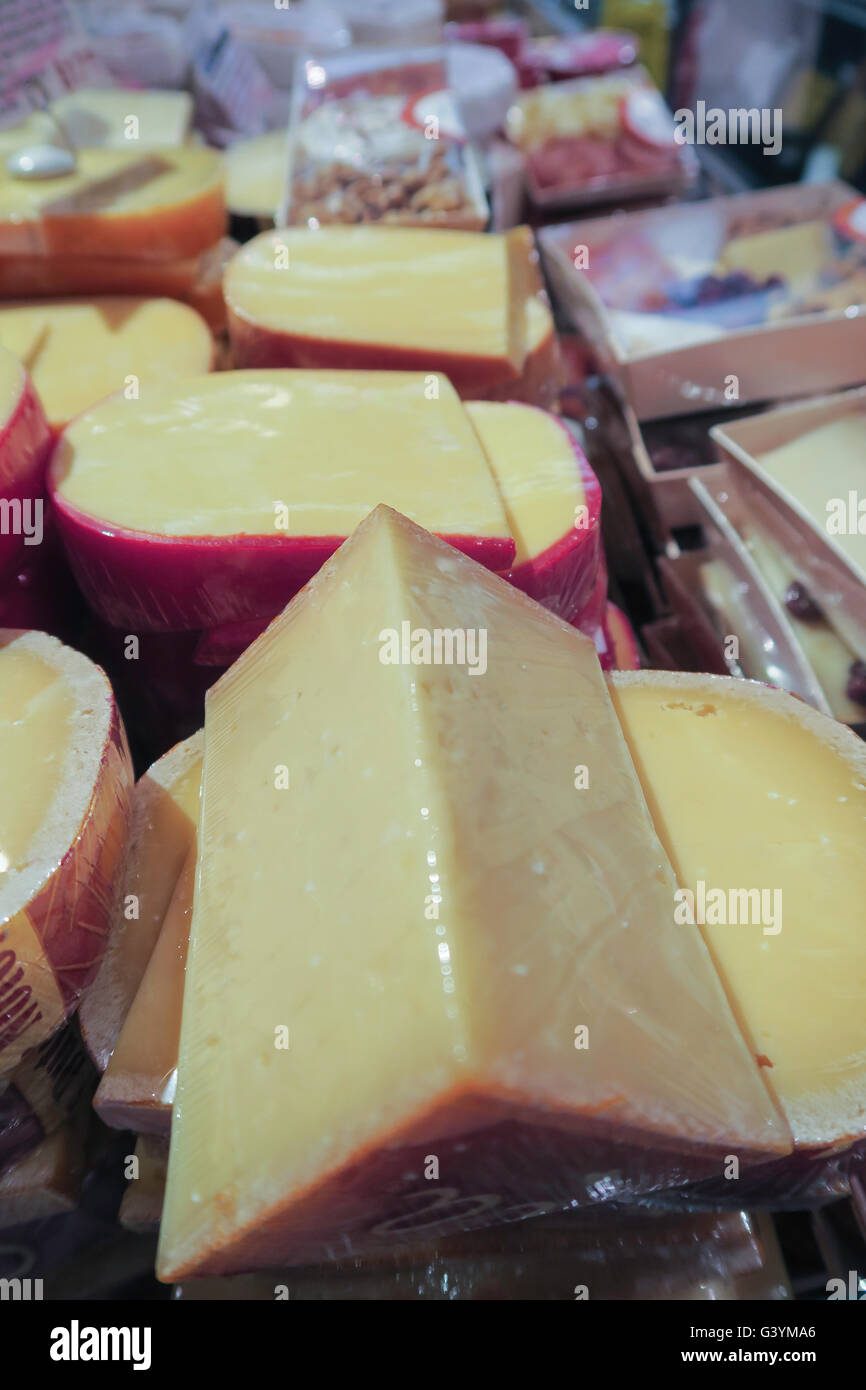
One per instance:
(818, 470)
(78, 351)
(398, 288)
(751, 789)
(137, 1090)
(399, 879)
(533, 460)
(162, 828)
(38, 723)
(328, 446)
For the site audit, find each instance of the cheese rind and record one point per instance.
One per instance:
(77, 352)
(162, 828)
(414, 823)
(395, 299)
(56, 888)
(752, 790)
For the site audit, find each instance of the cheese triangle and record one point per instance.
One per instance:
(405, 912)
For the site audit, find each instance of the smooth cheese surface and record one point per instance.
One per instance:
(533, 460)
(162, 829)
(329, 446)
(36, 708)
(378, 845)
(749, 789)
(78, 351)
(821, 467)
(140, 1078)
(447, 291)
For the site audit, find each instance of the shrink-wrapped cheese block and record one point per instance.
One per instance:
(64, 811)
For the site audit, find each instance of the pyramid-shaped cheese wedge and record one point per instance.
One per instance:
(431, 912)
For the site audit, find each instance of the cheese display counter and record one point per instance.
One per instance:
(432, 671)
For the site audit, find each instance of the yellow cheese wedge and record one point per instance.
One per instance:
(78, 351)
(380, 297)
(162, 828)
(158, 204)
(797, 252)
(368, 979)
(327, 445)
(137, 1090)
(753, 791)
(819, 470)
(533, 460)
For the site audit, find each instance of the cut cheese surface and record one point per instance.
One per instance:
(37, 723)
(329, 446)
(446, 291)
(79, 351)
(162, 829)
(138, 1087)
(821, 468)
(533, 460)
(379, 843)
(752, 790)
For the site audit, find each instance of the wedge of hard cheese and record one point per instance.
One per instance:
(160, 204)
(77, 351)
(761, 804)
(214, 500)
(138, 1088)
(414, 937)
(64, 807)
(24, 442)
(162, 829)
(389, 298)
(552, 500)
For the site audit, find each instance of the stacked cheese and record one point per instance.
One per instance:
(515, 995)
(166, 533)
(63, 819)
(464, 303)
(137, 214)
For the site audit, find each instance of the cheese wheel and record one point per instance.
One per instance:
(64, 810)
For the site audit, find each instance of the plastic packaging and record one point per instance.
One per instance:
(596, 139)
(377, 136)
(671, 297)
